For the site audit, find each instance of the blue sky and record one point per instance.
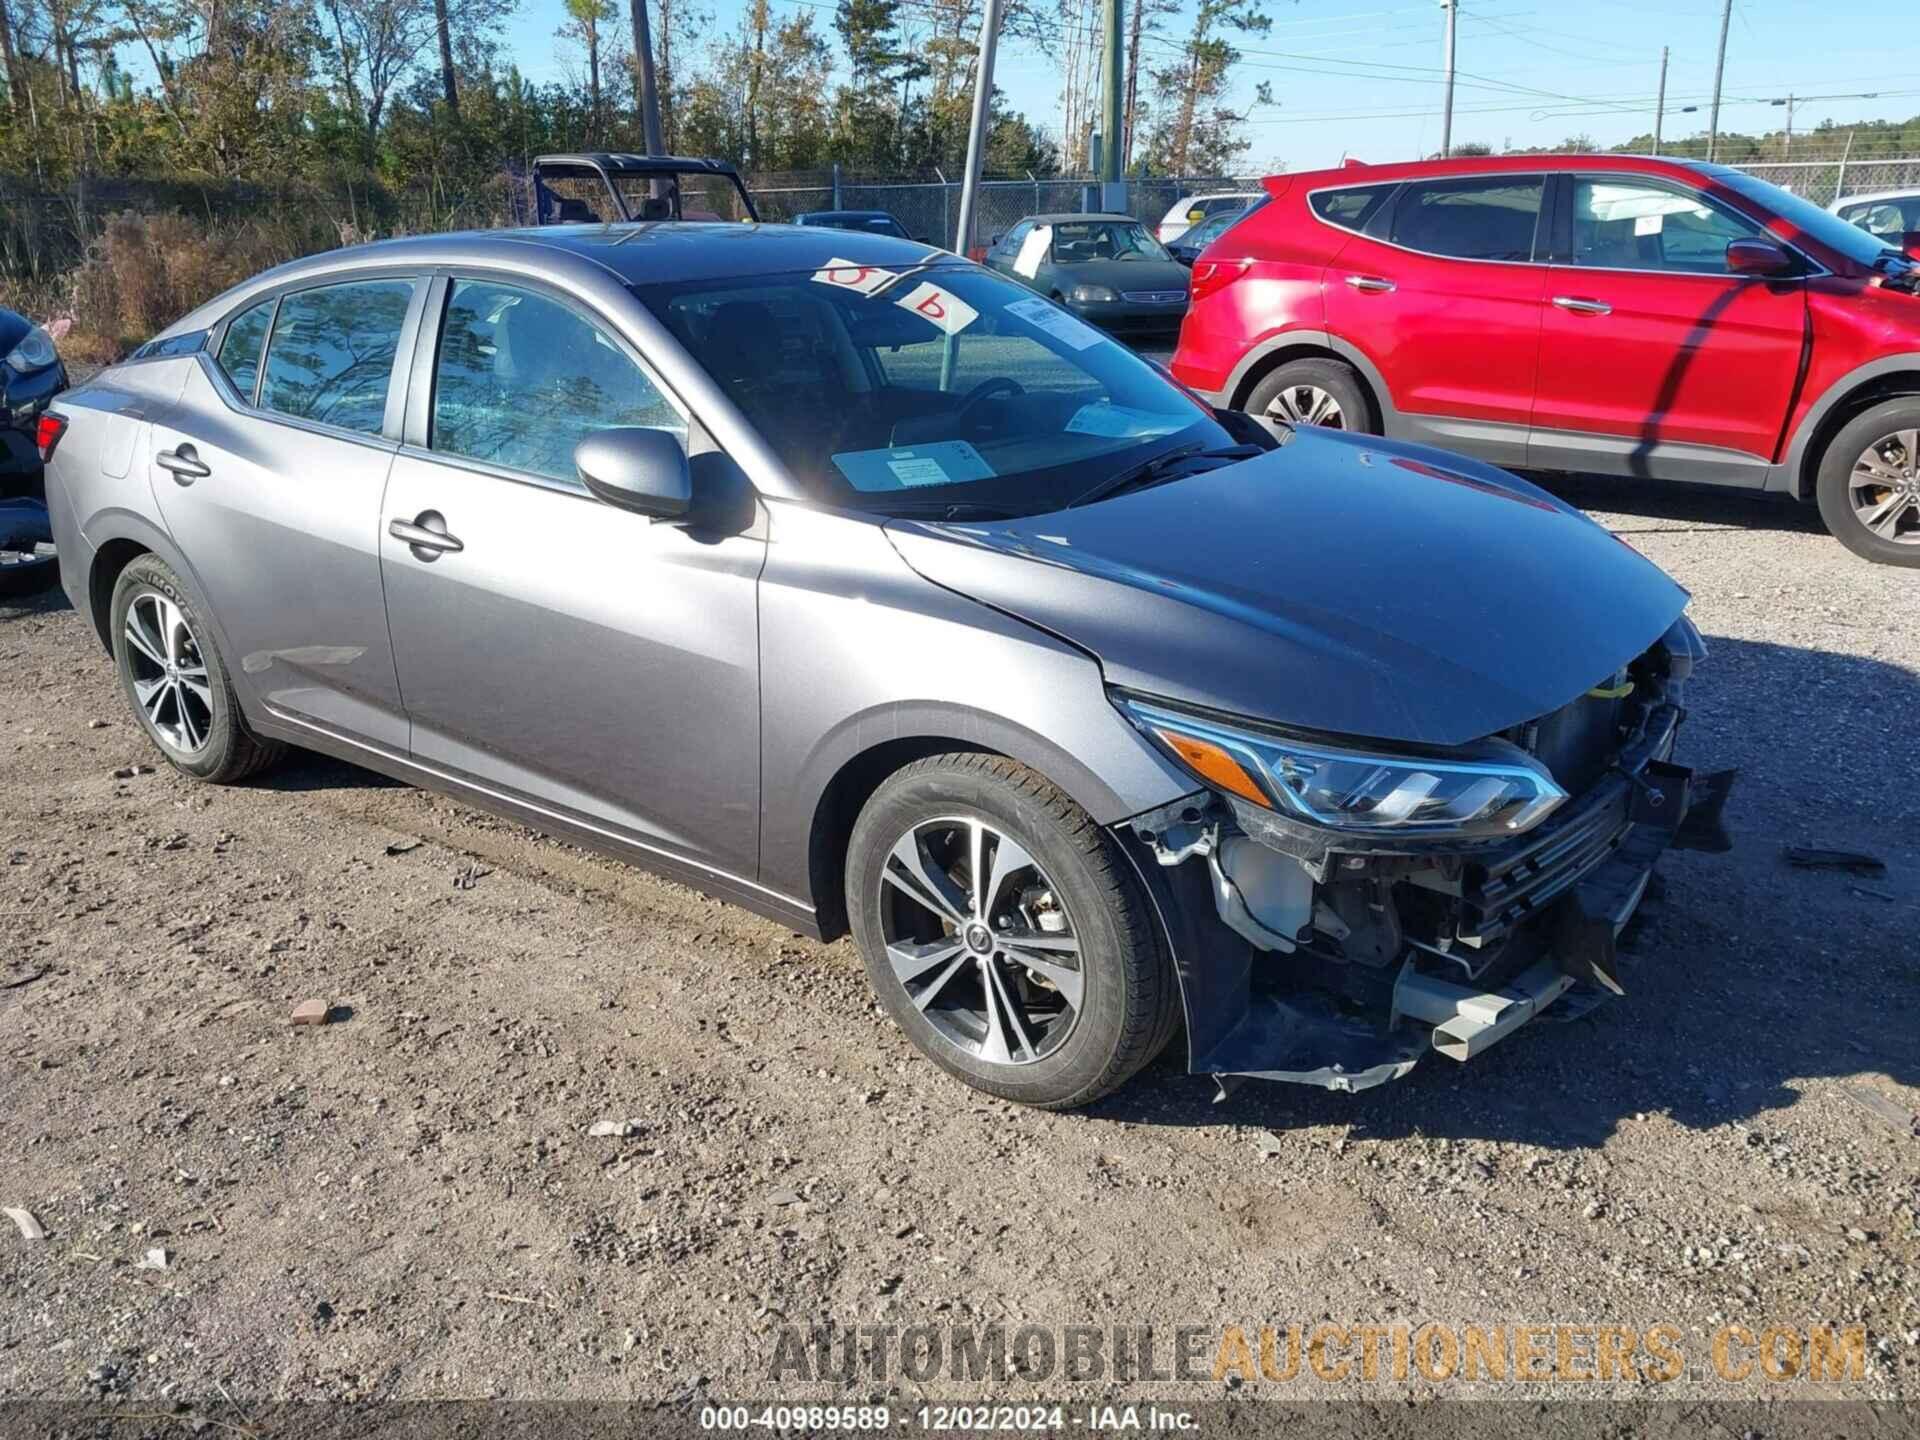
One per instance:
(1361, 76)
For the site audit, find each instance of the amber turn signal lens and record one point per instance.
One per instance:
(1214, 765)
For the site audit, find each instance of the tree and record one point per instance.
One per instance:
(586, 20)
(378, 42)
(1195, 128)
(1143, 22)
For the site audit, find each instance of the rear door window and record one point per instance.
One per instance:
(1490, 217)
(330, 357)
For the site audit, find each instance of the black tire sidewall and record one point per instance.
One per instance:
(1100, 1031)
(1836, 470)
(1332, 376)
(145, 573)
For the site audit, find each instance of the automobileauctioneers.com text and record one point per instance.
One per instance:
(1248, 1355)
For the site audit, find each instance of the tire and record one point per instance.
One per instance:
(1293, 393)
(195, 719)
(1078, 888)
(1892, 430)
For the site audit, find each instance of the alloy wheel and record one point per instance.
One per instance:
(1884, 488)
(977, 937)
(169, 673)
(1307, 405)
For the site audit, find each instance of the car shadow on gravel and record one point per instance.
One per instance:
(1684, 507)
(1751, 985)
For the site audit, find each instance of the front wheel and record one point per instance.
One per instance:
(1001, 931)
(1869, 483)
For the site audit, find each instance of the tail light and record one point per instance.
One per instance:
(1211, 276)
(47, 433)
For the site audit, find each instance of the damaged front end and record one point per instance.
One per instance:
(1337, 909)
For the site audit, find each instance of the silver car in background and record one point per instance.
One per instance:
(844, 579)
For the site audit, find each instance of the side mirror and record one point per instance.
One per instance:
(1194, 217)
(637, 468)
(994, 243)
(1910, 244)
(1757, 257)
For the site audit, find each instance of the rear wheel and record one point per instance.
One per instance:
(175, 679)
(1869, 483)
(1001, 931)
(1312, 392)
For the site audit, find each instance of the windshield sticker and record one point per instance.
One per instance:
(943, 462)
(1033, 249)
(1056, 322)
(845, 275)
(1118, 422)
(942, 307)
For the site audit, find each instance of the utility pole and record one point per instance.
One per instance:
(1112, 112)
(1660, 106)
(1719, 71)
(977, 128)
(649, 98)
(1452, 7)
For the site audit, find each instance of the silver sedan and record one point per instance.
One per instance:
(844, 579)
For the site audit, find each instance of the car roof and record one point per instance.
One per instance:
(1356, 172)
(1869, 196)
(638, 253)
(1074, 217)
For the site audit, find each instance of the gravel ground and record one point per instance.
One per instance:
(406, 1202)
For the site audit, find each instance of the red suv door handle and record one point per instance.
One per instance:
(1370, 284)
(1580, 305)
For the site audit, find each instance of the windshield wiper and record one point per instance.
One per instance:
(1159, 469)
(951, 510)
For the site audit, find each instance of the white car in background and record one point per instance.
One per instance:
(1190, 210)
(1892, 215)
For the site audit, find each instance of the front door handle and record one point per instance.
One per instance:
(1580, 305)
(426, 534)
(183, 462)
(1371, 284)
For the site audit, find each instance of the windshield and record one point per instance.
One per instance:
(942, 385)
(1104, 240)
(1803, 215)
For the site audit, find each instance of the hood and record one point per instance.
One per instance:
(1129, 274)
(1339, 583)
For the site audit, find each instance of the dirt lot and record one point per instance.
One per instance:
(406, 1202)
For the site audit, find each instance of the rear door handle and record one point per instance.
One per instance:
(1371, 284)
(183, 463)
(1580, 305)
(427, 534)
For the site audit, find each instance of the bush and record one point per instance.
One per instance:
(146, 271)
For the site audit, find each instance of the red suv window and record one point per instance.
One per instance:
(1489, 217)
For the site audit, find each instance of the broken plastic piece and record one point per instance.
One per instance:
(1856, 862)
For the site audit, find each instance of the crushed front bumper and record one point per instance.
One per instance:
(1571, 889)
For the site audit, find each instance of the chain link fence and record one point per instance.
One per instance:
(1825, 181)
(930, 210)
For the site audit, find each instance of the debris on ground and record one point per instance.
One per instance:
(158, 1258)
(310, 1012)
(404, 847)
(613, 1129)
(127, 772)
(467, 878)
(30, 1228)
(27, 979)
(1855, 862)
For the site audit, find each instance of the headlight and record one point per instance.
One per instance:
(34, 352)
(1092, 295)
(1356, 791)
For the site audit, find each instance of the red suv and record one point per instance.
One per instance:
(1580, 312)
